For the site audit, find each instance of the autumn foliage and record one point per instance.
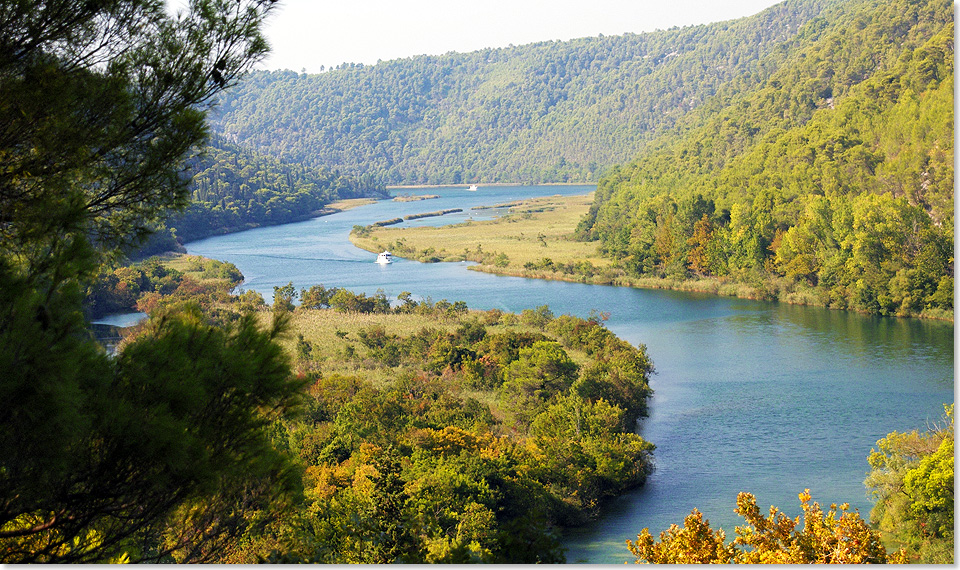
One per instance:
(835, 537)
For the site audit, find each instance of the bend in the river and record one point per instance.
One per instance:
(749, 396)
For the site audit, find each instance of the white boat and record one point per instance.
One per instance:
(472, 188)
(384, 258)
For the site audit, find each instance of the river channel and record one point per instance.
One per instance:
(749, 396)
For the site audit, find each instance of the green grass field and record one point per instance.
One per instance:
(194, 266)
(333, 336)
(532, 231)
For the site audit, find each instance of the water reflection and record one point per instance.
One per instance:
(870, 337)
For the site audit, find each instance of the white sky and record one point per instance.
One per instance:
(305, 34)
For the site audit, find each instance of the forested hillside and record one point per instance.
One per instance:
(235, 188)
(547, 112)
(830, 182)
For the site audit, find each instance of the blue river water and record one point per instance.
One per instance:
(748, 396)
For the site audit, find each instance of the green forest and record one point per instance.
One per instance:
(830, 183)
(235, 189)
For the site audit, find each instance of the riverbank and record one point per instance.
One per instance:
(344, 205)
(535, 240)
(167, 243)
(479, 184)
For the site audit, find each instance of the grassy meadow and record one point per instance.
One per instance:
(193, 266)
(333, 336)
(533, 240)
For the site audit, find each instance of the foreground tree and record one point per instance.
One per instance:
(101, 102)
(774, 539)
(912, 479)
(165, 449)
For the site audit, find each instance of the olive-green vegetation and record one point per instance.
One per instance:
(164, 451)
(828, 182)
(546, 112)
(534, 239)
(439, 434)
(139, 286)
(432, 214)
(414, 197)
(432, 433)
(911, 478)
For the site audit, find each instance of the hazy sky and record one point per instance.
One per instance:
(305, 34)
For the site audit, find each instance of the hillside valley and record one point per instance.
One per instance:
(545, 112)
(287, 397)
(806, 152)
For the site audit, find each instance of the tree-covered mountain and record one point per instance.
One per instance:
(830, 182)
(545, 112)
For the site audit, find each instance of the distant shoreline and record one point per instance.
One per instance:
(533, 242)
(482, 184)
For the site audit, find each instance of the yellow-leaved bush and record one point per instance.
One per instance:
(838, 536)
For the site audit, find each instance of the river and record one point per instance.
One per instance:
(748, 396)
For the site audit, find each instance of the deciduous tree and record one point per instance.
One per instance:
(836, 537)
(911, 477)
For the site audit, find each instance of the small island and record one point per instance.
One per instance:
(433, 214)
(414, 197)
